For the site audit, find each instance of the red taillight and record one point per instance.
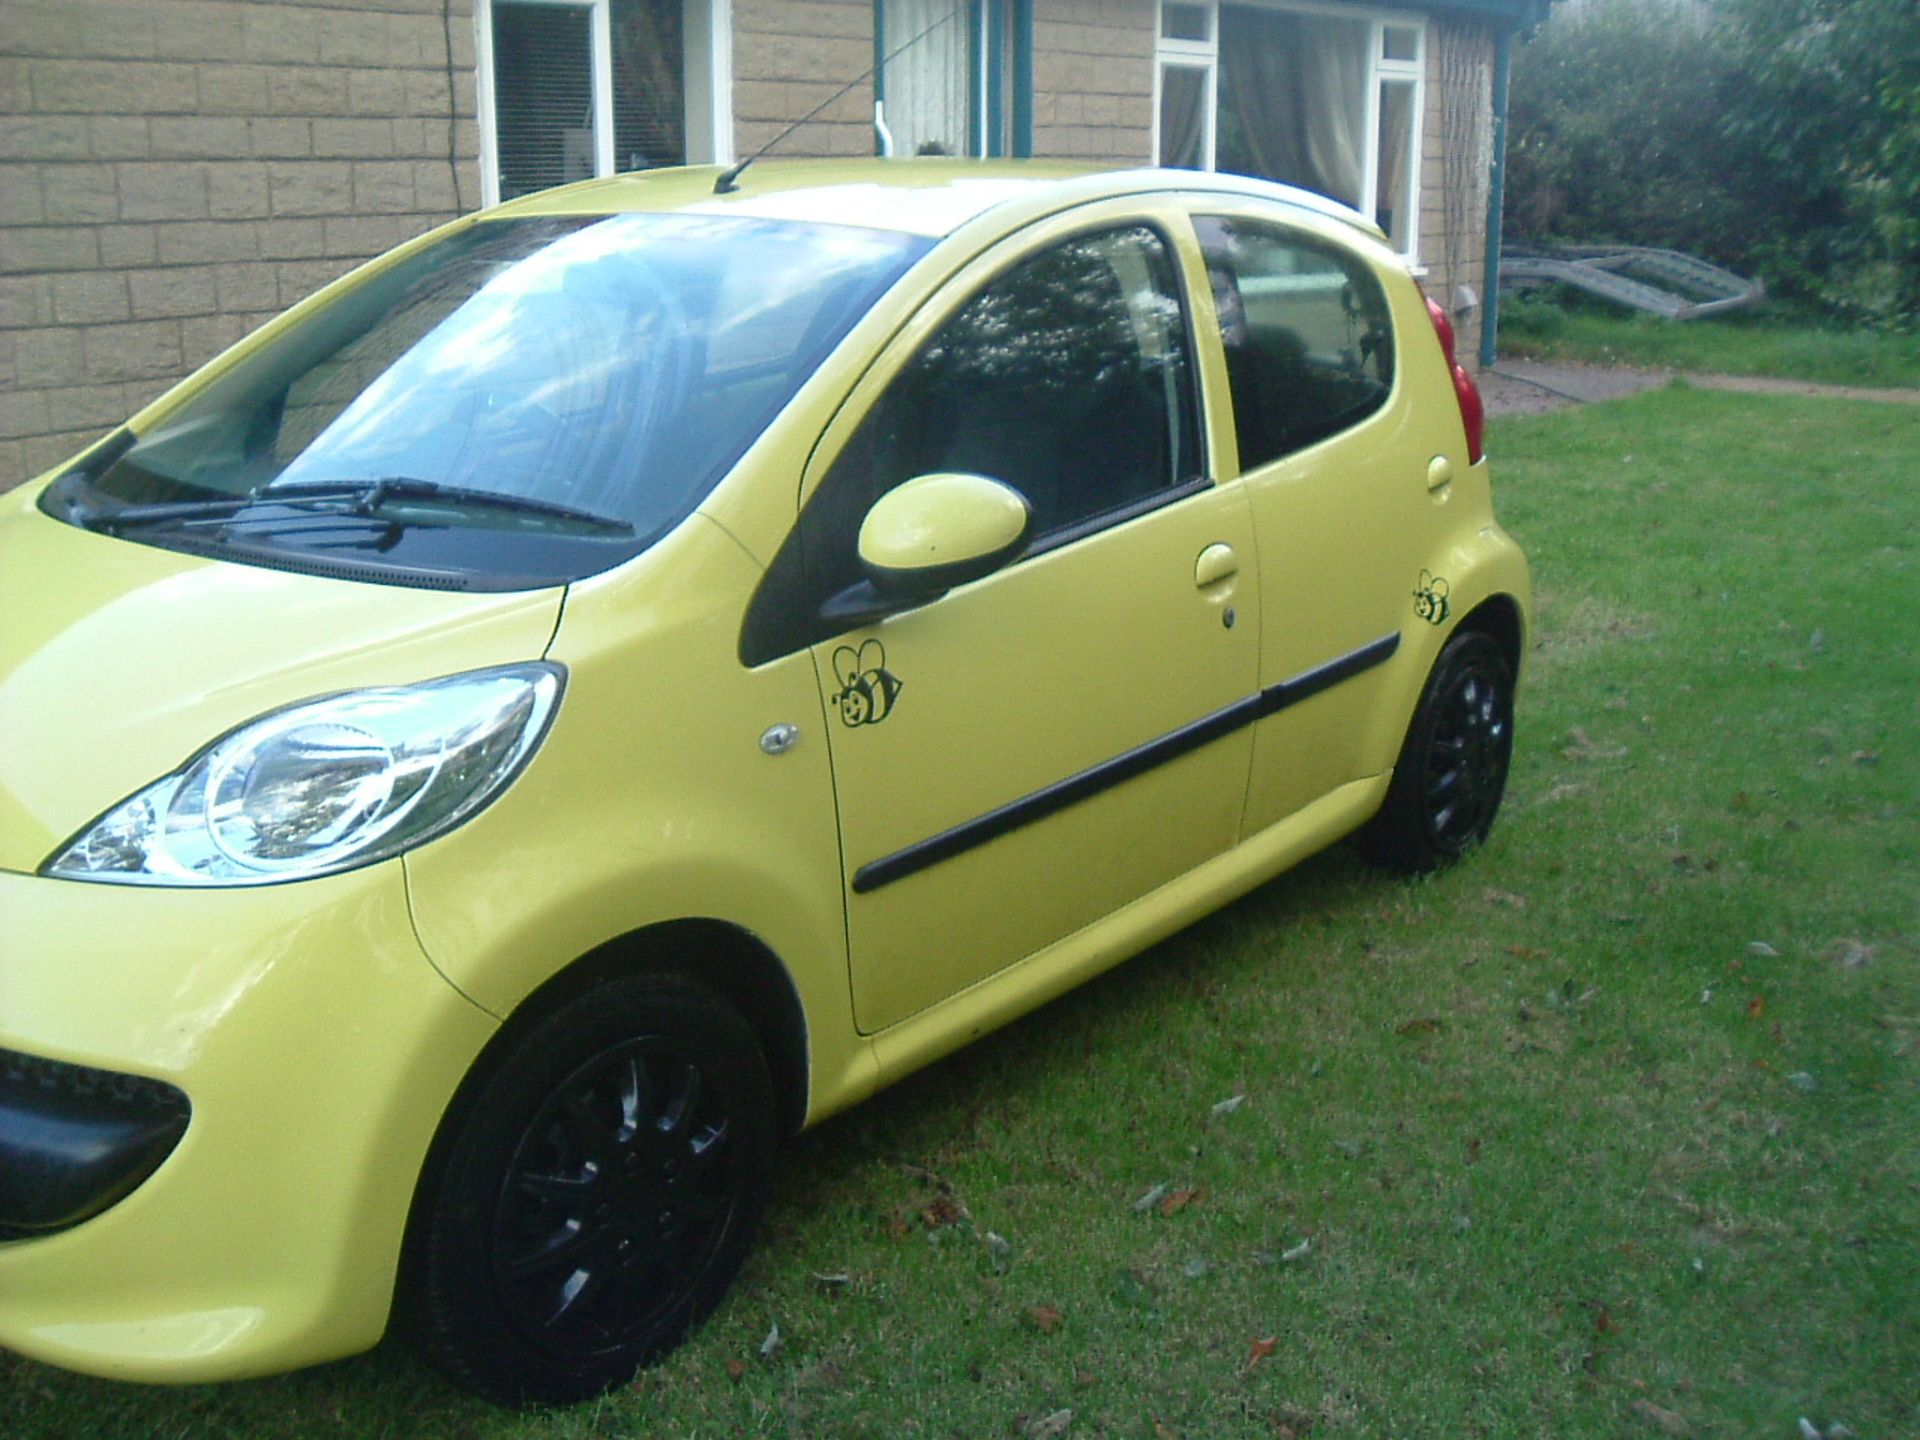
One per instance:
(1473, 410)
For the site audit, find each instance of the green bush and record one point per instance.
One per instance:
(1774, 136)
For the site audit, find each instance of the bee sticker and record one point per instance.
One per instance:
(867, 688)
(1430, 601)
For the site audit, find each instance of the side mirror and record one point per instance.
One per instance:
(937, 531)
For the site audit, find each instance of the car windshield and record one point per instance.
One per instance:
(523, 401)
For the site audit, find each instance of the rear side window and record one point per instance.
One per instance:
(1307, 333)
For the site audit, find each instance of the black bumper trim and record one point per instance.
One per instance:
(75, 1141)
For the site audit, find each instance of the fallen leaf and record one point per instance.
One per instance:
(1507, 898)
(1424, 1025)
(771, 1343)
(1227, 1106)
(1152, 1198)
(736, 1369)
(944, 1210)
(1663, 1420)
(1162, 1431)
(999, 1251)
(1603, 1320)
(1561, 792)
(1181, 1199)
(1585, 748)
(1046, 1318)
(1049, 1425)
(1756, 1007)
(1298, 1252)
(1473, 1150)
(1864, 758)
(1261, 1350)
(832, 1282)
(1804, 1082)
(1762, 949)
(1849, 954)
(1527, 952)
(1195, 1269)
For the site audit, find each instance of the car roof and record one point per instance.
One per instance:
(927, 196)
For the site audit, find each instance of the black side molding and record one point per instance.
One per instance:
(1123, 767)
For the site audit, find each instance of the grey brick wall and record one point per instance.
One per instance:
(789, 56)
(174, 172)
(1093, 80)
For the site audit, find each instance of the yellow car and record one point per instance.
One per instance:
(633, 672)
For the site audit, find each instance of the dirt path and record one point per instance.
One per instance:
(1533, 387)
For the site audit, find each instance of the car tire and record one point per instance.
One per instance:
(592, 1194)
(1452, 769)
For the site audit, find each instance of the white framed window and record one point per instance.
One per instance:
(1326, 97)
(943, 76)
(572, 89)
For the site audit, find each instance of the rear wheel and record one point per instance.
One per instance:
(593, 1195)
(1453, 765)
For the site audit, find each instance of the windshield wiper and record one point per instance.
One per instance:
(369, 495)
(361, 497)
(213, 507)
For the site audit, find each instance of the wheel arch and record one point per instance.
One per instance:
(1499, 616)
(734, 964)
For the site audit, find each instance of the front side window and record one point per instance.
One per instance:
(1307, 333)
(1070, 378)
(1327, 101)
(528, 398)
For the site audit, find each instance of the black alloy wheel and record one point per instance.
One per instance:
(593, 1193)
(1452, 770)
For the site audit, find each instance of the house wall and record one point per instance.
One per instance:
(1093, 80)
(789, 56)
(174, 172)
(1456, 151)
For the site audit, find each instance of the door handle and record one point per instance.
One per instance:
(1439, 472)
(1216, 563)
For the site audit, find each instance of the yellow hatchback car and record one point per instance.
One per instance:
(633, 672)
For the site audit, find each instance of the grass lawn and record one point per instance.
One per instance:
(1771, 339)
(1614, 1130)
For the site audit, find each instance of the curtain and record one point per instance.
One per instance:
(1293, 99)
(1183, 116)
(927, 82)
(1392, 200)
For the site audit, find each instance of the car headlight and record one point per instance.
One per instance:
(324, 785)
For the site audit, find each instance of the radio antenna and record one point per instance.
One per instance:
(727, 182)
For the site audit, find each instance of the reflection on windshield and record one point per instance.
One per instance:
(614, 365)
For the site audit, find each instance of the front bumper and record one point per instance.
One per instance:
(317, 1049)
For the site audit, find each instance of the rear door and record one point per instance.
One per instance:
(1335, 467)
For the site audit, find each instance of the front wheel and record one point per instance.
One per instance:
(1453, 764)
(593, 1194)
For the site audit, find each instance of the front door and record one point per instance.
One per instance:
(1030, 752)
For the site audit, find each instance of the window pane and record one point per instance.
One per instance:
(1394, 198)
(1293, 99)
(1400, 42)
(1183, 22)
(926, 83)
(543, 95)
(1307, 332)
(1183, 116)
(1068, 378)
(649, 91)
